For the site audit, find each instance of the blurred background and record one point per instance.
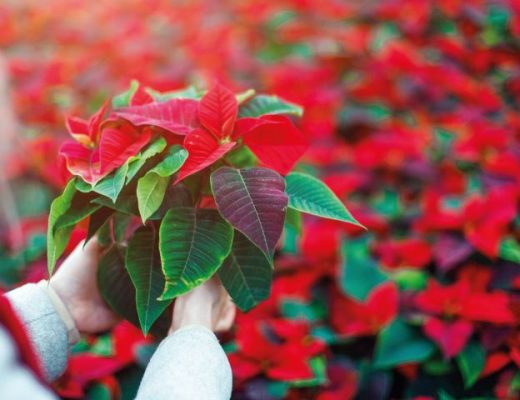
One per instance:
(412, 110)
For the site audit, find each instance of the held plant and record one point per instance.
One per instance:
(183, 185)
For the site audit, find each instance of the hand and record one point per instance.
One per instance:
(208, 305)
(76, 285)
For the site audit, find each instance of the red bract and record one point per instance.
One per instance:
(451, 337)
(404, 253)
(218, 111)
(495, 362)
(273, 139)
(98, 151)
(487, 219)
(276, 142)
(342, 385)
(288, 360)
(87, 132)
(178, 116)
(203, 150)
(84, 368)
(353, 318)
(459, 299)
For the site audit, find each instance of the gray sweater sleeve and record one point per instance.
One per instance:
(189, 364)
(16, 381)
(45, 328)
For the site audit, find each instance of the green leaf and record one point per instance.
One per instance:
(126, 204)
(143, 264)
(193, 245)
(83, 186)
(443, 395)
(98, 391)
(298, 310)
(246, 273)
(471, 363)
(117, 290)
(360, 273)
(111, 185)
(241, 157)
(318, 366)
(264, 104)
(114, 229)
(123, 99)
(293, 219)
(190, 92)
(277, 390)
(245, 96)
(310, 195)
(22, 189)
(292, 231)
(152, 187)
(439, 366)
(97, 220)
(410, 279)
(510, 250)
(57, 238)
(399, 344)
(136, 163)
(79, 209)
(115, 285)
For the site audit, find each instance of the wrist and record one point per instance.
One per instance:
(64, 312)
(186, 314)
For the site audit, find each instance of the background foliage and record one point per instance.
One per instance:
(412, 109)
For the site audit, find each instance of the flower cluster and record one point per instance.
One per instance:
(181, 187)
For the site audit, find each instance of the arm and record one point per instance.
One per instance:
(16, 381)
(190, 363)
(53, 312)
(44, 326)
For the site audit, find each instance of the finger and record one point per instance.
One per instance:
(227, 317)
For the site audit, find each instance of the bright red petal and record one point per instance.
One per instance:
(95, 122)
(177, 116)
(218, 110)
(495, 362)
(278, 144)
(290, 364)
(81, 161)
(353, 318)
(243, 368)
(117, 145)
(488, 307)
(84, 368)
(451, 337)
(79, 129)
(383, 304)
(245, 125)
(141, 97)
(203, 150)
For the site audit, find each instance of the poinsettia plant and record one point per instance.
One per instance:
(180, 186)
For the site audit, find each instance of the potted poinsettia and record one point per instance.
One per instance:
(180, 186)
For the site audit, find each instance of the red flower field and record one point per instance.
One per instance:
(412, 117)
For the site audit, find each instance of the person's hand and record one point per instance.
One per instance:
(208, 305)
(76, 285)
